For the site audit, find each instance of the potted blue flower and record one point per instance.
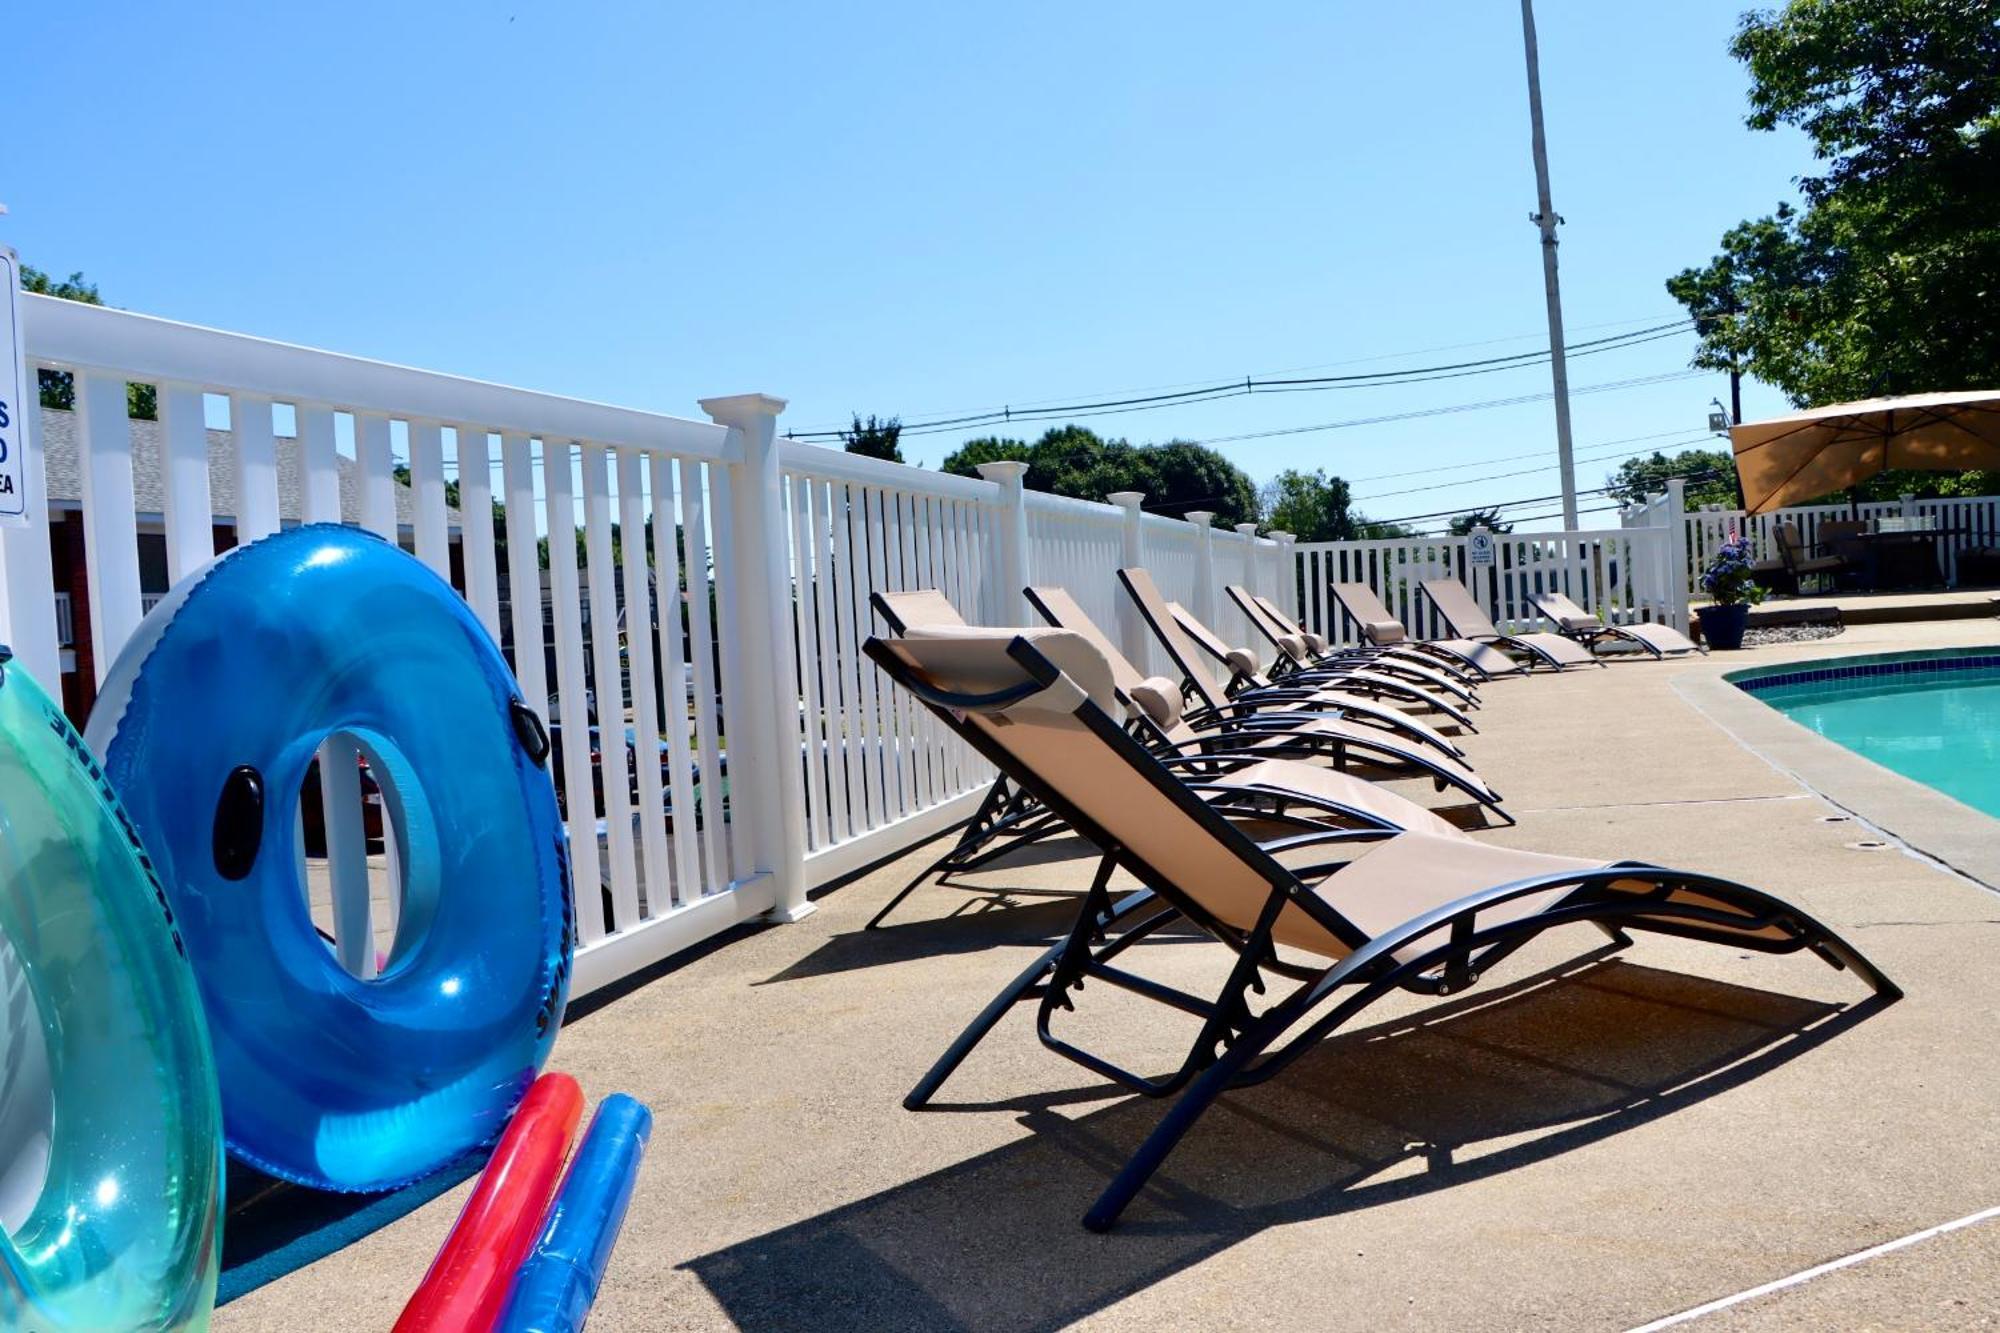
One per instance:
(1732, 592)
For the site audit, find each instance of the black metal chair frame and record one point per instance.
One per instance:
(1590, 635)
(1236, 1046)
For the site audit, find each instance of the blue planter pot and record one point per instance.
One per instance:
(1723, 626)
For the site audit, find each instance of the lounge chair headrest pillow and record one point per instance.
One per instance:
(1242, 661)
(1159, 699)
(1577, 622)
(1316, 642)
(1385, 631)
(968, 659)
(923, 606)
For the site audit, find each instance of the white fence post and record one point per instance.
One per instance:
(1009, 607)
(1909, 505)
(111, 555)
(1248, 532)
(767, 793)
(1131, 634)
(1288, 574)
(1204, 564)
(27, 582)
(1679, 576)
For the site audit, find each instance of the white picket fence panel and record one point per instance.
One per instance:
(710, 608)
(1621, 574)
(881, 773)
(650, 876)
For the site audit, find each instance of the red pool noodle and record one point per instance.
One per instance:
(468, 1281)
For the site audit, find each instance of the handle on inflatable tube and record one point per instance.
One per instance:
(558, 1283)
(468, 1280)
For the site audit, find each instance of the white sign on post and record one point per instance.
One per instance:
(1479, 548)
(14, 402)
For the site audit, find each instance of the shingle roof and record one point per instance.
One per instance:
(149, 492)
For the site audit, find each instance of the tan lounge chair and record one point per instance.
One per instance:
(1302, 649)
(1162, 702)
(1573, 622)
(1344, 740)
(1250, 774)
(1379, 626)
(1427, 913)
(1295, 662)
(1468, 621)
(1313, 689)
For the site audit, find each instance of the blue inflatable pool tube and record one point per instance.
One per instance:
(110, 1130)
(208, 724)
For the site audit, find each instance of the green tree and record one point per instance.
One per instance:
(1711, 475)
(1177, 477)
(1884, 282)
(964, 461)
(1489, 519)
(874, 438)
(58, 387)
(1315, 507)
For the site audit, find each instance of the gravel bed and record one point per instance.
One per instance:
(1758, 636)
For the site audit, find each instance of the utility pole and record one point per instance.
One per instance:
(1548, 220)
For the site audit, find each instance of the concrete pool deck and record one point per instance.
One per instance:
(1581, 1142)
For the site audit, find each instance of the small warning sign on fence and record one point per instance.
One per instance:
(14, 402)
(1479, 548)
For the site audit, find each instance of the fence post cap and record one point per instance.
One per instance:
(1002, 470)
(1201, 518)
(1247, 529)
(1281, 536)
(740, 409)
(1127, 499)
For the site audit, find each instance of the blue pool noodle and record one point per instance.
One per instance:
(558, 1282)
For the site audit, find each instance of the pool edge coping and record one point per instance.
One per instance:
(1918, 818)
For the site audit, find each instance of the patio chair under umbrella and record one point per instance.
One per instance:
(1809, 454)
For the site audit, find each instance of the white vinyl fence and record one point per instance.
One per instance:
(710, 612)
(1957, 525)
(1620, 574)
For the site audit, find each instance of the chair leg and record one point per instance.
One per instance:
(1015, 992)
(987, 821)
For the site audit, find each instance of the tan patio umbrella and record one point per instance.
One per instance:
(1810, 454)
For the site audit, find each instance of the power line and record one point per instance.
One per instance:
(1519, 472)
(1652, 320)
(1516, 401)
(1249, 385)
(1510, 458)
(1707, 475)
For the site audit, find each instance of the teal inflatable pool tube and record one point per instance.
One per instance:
(110, 1127)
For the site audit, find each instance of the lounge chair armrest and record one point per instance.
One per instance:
(1320, 837)
(1178, 760)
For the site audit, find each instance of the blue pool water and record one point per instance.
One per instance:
(1932, 716)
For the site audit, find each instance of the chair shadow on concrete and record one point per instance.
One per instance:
(974, 912)
(1458, 1091)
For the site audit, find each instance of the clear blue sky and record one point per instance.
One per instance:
(917, 208)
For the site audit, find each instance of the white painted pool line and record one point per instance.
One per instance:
(1832, 1265)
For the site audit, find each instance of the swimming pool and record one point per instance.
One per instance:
(1932, 716)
